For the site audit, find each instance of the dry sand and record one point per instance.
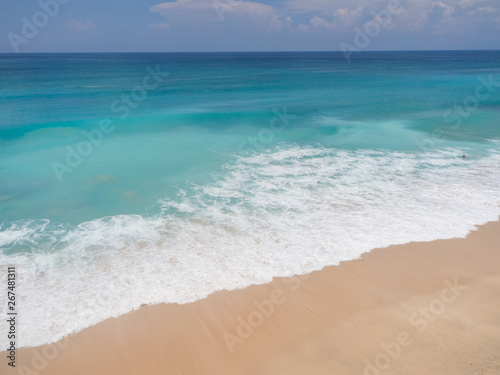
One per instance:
(421, 308)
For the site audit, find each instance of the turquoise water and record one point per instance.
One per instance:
(198, 116)
(213, 171)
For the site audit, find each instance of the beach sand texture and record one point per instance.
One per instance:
(419, 308)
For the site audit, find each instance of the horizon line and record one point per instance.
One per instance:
(251, 51)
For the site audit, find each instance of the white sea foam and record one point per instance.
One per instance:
(289, 211)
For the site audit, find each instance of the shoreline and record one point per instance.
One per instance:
(422, 306)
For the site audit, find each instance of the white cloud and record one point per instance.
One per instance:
(428, 17)
(482, 10)
(318, 22)
(442, 9)
(431, 16)
(347, 16)
(261, 11)
(303, 28)
(219, 10)
(81, 26)
(332, 17)
(341, 17)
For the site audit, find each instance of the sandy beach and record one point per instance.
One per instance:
(413, 309)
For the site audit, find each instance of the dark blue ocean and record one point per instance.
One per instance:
(165, 177)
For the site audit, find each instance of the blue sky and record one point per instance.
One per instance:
(237, 25)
